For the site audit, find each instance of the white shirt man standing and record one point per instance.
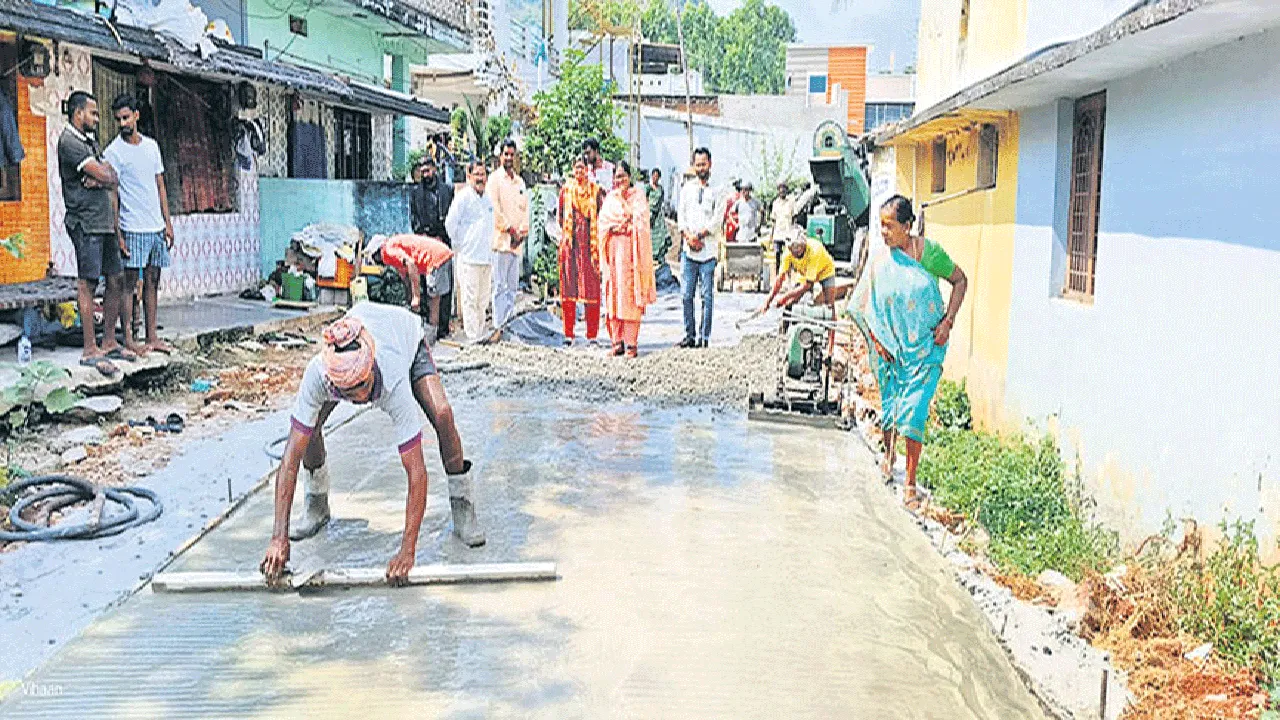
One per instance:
(472, 227)
(601, 169)
(698, 220)
(506, 191)
(748, 211)
(145, 229)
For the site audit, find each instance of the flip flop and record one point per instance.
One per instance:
(101, 364)
(122, 353)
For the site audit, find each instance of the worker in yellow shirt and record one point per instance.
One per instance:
(809, 260)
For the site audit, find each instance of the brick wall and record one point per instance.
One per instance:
(29, 216)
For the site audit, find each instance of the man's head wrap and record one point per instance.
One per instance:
(348, 353)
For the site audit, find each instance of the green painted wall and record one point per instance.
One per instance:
(335, 41)
(400, 133)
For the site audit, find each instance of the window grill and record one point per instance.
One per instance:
(1086, 195)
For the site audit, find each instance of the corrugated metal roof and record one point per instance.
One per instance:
(93, 31)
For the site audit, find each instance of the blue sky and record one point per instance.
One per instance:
(889, 25)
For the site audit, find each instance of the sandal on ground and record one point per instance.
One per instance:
(101, 364)
(619, 349)
(122, 353)
(912, 498)
(633, 351)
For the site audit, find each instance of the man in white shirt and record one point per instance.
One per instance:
(378, 355)
(145, 231)
(506, 191)
(698, 220)
(472, 227)
(601, 169)
(748, 211)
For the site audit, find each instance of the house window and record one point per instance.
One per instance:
(884, 113)
(988, 156)
(939, 165)
(195, 123)
(298, 25)
(817, 84)
(353, 155)
(1086, 194)
(10, 177)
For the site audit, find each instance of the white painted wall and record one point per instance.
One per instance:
(1167, 385)
(736, 151)
(789, 112)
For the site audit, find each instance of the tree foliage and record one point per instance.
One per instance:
(743, 52)
(578, 106)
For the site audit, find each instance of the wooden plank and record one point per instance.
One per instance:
(440, 574)
(252, 581)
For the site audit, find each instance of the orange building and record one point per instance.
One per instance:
(24, 191)
(823, 74)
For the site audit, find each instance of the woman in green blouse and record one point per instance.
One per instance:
(900, 311)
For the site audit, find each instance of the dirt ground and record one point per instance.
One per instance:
(248, 379)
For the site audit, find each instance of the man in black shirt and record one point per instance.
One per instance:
(429, 206)
(88, 191)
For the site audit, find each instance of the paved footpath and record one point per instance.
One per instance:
(711, 568)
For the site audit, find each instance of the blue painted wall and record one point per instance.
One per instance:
(289, 204)
(1166, 386)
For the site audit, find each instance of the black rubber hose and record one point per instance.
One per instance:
(62, 491)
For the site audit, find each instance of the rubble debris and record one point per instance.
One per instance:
(91, 408)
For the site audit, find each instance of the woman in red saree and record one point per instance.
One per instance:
(626, 255)
(580, 201)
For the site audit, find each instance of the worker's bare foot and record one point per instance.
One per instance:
(159, 346)
(137, 349)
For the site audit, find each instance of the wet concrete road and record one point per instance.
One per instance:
(711, 569)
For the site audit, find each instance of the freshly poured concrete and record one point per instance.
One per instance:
(710, 569)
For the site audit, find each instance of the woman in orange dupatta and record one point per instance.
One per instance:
(626, 255)
(580, 250)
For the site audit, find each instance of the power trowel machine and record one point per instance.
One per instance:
(837, 209)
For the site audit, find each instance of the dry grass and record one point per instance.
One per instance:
(1132, 615)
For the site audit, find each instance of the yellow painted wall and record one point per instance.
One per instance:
(977, 231)
(946, 64)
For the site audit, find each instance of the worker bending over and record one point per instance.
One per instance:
(424, 264)
(809, 259)
(378, 355)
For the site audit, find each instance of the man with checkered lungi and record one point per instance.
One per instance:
(145, 230)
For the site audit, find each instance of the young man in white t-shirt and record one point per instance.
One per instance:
(145, 231)
(378, 355)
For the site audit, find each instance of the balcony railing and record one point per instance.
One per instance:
(456, 13)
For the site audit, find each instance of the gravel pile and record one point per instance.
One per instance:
(721, 377)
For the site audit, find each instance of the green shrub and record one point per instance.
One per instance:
(1232, 600)
(951, 407)
(1017, 490)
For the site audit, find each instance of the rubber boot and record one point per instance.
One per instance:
(317, 505)
(465, 525)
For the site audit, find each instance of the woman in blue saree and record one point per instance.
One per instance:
(899, 309)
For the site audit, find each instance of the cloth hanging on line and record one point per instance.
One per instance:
(11, 150)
